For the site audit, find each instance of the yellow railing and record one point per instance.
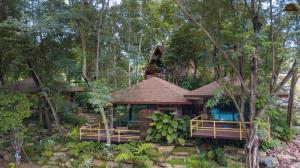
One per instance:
(90, 132)
(198, 124)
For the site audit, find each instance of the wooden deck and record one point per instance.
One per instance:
(219, 129)
(95, 133)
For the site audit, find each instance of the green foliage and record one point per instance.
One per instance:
(45, 147)
(12, 165)
(141, 154)
(165, 127)
(270, 144)
(279, 126)
(216, 155)
(99, 96)
(14, 108)
(218, 99)
(96, 149)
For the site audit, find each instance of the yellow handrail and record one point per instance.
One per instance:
(88, 131)
(198, 124)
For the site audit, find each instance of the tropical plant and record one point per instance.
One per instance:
(140, 154)
(99, 98)
(14, 107)
(279, 126)
(216, 155)
(165, 127)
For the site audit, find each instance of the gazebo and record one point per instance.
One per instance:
(153, 94)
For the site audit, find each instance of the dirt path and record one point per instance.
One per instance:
(289, 155)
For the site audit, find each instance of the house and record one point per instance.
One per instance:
(155, 67)
(155, 94)
(28, 85)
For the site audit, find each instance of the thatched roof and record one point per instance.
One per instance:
(151, 91)
(209, 90)
(28, 85)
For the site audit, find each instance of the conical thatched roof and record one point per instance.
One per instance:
(151, 91)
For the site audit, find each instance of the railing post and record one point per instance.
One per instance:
(241, 135)
(214, 129)
(99, 134)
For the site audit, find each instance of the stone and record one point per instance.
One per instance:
(126, 165)
(111, 164)
(262, 154)
(59, 154)
(8, 157)
(295, 165)
(165, 149)
(179, 166)
(241, 151)
(3, 153)
(173, 157)
(164, 164)
(286, 157)
(57, 147)
(68, 164)
(230, 149)
(97, 163)
(235, 157)
(267, 162)
(3, 163)
(180, 153)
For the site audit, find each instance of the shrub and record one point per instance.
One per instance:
(141, 154)
(165, 127)
(67, 115)
(216, 155)
(76, 149)
(271, 144)
(279, 126)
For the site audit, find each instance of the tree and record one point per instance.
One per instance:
(256, 112)
(99, 99)
(15, 107)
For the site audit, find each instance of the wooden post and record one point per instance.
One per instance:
(214, 129)
(99, 134)
(241, 135)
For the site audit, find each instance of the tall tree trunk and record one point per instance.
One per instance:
(291, 99)
(129, 56)
(139, 54)
(105, 122)
(102, 16)
(38, 84)
(83, 42)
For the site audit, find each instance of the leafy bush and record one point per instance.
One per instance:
(14, 108)
(279, 126)
(87, 147)
(165, 127)
(271, 144)
(216, 155)
(67, 115)
(141, 154)
(44, 148)
(196, 163)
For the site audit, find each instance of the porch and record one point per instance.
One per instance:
(120, 134)
(220, 129)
